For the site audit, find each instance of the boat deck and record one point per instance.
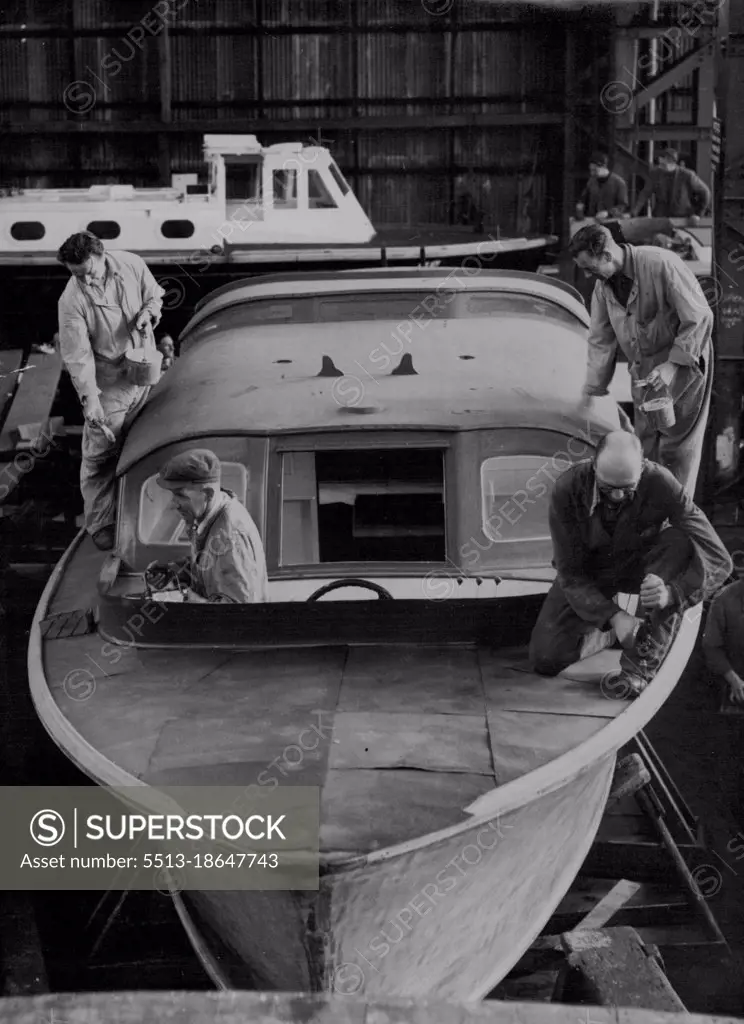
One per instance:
(370, 725)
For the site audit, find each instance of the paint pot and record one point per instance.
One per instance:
(659, 412)
(144, 366)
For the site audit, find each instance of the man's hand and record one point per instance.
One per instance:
(93, 412)
(736, 688)
(626, 626)
(654, 592)
(662, 376)
(142, 320)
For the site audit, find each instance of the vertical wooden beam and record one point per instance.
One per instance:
(165, 56)
(353, 136)
(705, 104)
(451, 71)
(259, 59)
(569, 131)
(724, 427)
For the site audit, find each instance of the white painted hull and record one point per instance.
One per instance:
(447, 920)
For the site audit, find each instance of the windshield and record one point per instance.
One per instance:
(394, 305)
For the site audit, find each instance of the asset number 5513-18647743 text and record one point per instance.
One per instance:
(210, 860)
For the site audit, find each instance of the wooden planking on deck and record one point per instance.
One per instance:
(510, 687)
(523, 740)
(34, 396)
(236, 1007)
(434, 680)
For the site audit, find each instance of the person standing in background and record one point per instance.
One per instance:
(605, 193)
(673, 190)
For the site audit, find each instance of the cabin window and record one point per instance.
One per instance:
(159, 524)
(177, 228)
(104, 228)
(27, 231)
(363, 506)
(338, 178)
(515, 492)
(284, 183)
(318, 194)
(243, 181)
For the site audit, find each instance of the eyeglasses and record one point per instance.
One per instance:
(627, 491)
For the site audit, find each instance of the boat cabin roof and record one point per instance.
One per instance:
(440, 280)
(437, 374)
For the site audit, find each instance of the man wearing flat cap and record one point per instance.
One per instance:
(227, 563)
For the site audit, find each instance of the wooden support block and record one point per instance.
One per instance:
(613, 968)
(21, 956)
(631, 774)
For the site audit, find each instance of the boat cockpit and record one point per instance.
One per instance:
(418, 517)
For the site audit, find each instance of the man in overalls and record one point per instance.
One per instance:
(108, 298)
(649, 304)
(227, 563)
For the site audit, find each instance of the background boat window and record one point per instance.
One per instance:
(104, 228)
(285, 188)
(159, 524)
(338, 178)
(363, 506)
(515, 493)
(27, 231)
(243, 178)
(318, 194)
(177, 228)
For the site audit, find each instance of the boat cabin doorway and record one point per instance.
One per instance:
(356, 506)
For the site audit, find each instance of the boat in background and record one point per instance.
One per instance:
(286, 204)
(396, 438)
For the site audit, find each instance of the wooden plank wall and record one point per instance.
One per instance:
(420, 102)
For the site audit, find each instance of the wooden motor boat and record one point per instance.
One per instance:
(283, 205)
(375, 447)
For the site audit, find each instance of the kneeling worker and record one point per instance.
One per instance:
(607, 524)
(227, 563)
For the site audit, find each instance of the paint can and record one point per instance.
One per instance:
(657, 406)
(143, 366)
(659, 412)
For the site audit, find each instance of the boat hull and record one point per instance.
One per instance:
(447, 920)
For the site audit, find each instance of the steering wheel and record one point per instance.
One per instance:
(383, 594)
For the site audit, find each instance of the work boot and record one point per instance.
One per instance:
(104, 538)
(622, 685)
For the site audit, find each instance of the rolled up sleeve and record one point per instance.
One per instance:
(581, 592)
(714, 640)
(602, 347)
(686, 296)
(76, 350)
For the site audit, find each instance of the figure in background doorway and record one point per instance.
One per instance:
(649, 304)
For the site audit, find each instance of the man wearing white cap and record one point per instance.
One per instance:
(227, 563)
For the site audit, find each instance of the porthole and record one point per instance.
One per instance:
(104, 229)
(27, 231)
(177, 229)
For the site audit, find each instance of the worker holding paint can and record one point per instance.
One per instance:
(648, 304)
(107, 314)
